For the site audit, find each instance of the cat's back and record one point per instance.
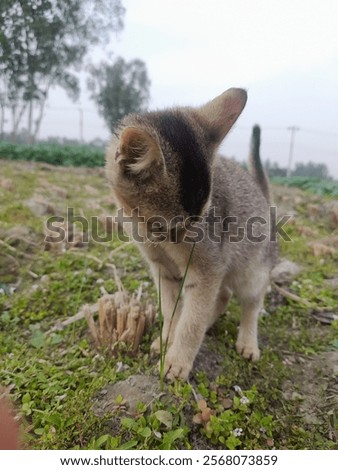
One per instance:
(235, 192)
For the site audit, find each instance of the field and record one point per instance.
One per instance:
(54, 154)
(89, 156)
(59, 380)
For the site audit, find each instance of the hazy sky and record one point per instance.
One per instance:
(284, 52)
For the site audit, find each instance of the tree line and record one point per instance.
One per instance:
(309, 169)
(44, 43)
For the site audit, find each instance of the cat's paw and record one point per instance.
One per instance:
(155, 347)
(249, 350)
(176, 366)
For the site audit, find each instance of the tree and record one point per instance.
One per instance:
(119, 89)
(41, 43)
(312, 170)
(273, 169)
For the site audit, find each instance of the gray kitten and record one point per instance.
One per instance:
(165, 165)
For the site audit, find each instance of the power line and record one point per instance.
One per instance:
(306, 130)
(320, 132)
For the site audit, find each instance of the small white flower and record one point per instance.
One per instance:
(263, 430)
(237, 432)
(244, 400)
(237, 388)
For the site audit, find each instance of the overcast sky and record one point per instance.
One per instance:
(285, 53)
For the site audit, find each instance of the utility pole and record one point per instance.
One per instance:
(293, 130)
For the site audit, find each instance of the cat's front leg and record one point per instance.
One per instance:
(167, 279)
(198, 308)
(171, 309)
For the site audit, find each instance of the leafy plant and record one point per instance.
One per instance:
(314, 185)
(67, 155)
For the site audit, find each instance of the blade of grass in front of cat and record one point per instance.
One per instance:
(160, 317)
(177, 300)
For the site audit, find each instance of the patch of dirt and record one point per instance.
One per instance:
(209, 362)
(135, 389)
(313, 383)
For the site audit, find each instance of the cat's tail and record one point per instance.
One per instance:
(255, 164)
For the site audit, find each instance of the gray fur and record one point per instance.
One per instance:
(149, 174)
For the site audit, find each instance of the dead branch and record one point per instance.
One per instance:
(290, 295)
(321, 314)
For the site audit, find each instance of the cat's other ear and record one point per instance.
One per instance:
(138, 151)
(222, 112)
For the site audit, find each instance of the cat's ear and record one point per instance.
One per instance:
(222, 112)
(138, 151)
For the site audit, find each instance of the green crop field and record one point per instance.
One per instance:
(54, 154)
(314, 185)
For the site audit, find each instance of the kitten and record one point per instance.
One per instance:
(165, 165)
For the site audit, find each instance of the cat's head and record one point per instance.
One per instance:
(160, 163)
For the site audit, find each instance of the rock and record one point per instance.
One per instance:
(40, 206)
(332, 283)
(135, 389)
(285, 271)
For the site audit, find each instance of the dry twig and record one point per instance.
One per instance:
(321, 314)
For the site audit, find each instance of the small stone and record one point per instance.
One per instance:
(44, 279)
(226, 403)
(296, 396)
(285, 271)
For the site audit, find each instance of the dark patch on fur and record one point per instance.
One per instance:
(195, 179)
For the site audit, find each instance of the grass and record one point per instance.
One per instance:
(54, 375)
